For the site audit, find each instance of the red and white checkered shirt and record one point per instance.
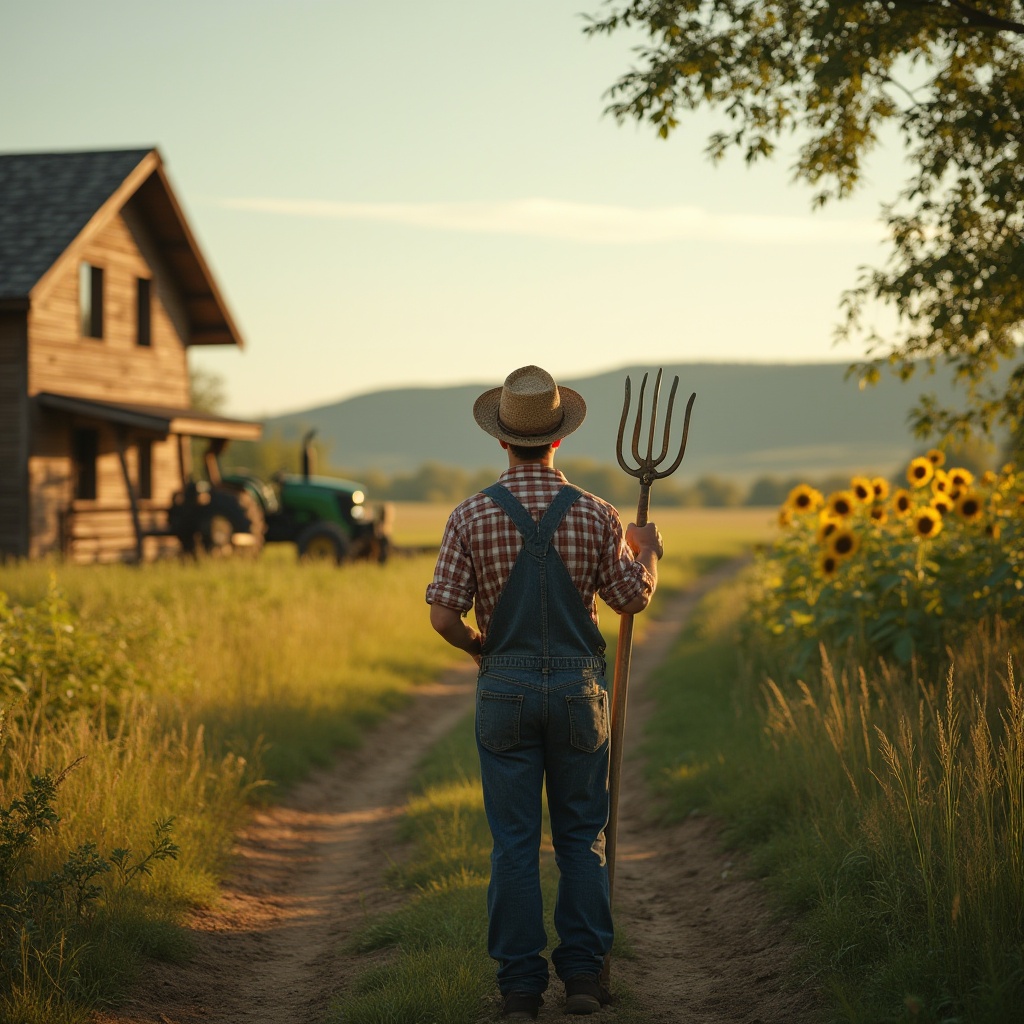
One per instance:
(481, 543)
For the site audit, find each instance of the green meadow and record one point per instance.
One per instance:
(147, 709)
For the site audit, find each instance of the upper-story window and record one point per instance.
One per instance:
(143, 311)
(90, 300)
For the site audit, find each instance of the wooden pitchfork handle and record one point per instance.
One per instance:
(647, 471)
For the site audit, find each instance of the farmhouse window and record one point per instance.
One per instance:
(90, 300)
(145, 480)
(85, 448)
(143, 311)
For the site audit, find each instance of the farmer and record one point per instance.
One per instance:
(531, 552)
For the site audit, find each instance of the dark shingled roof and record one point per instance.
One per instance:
(45, 201)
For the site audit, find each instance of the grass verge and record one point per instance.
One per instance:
(178, 693)
(883, 812)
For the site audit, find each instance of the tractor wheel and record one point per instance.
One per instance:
(215, 532)
(322, 542)
(231, 521)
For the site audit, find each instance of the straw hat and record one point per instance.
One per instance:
(529, 409)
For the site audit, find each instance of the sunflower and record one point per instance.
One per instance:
(935, 457)
(804, 499)
(785, 516)
(840, 503)
(969, 506)
(920, 471)
(863, 489)
(942, 503)
(988, 478)
(992, 530)
(827, 528)
(940, 482)
(960, 477)
(927, 522)
(881, 486)
(902, 502)
(828, 564)
(843, 543)
(878, 514)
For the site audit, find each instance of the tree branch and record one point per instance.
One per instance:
(889, 80)
(982, 19)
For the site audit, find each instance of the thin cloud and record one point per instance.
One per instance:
(581, 222)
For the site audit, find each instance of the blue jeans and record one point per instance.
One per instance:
(535, 729)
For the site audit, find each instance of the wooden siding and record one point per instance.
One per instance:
(99, 530)
(113, 368)
(13, 435)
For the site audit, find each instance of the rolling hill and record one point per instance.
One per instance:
(749, 420)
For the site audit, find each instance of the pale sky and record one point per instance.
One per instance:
(429, 193)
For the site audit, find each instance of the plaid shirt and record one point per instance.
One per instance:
(481, 543)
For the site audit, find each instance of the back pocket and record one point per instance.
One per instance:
(497, 720)
(588, 721)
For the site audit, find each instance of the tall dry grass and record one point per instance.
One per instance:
(915, 789)
(177, 692)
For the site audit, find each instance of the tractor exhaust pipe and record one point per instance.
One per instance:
(308, 455)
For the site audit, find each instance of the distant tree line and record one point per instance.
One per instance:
(436, 482)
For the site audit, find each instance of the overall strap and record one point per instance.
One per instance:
(553, 517)
(536, 537)
(540, 620)
(507, 502)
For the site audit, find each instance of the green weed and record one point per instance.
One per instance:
(883, 810)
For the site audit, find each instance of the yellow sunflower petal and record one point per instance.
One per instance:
(843, 543)
(840, 503)
(927, 522)
(920, 471)
(863, 489)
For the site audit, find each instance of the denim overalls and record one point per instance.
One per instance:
(542, 718)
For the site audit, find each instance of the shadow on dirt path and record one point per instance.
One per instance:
(308, 873)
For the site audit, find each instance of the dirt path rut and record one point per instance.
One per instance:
(309, 872)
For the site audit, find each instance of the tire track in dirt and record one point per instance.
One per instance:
(309, 872)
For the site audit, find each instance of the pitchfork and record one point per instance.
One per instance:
(646, 471)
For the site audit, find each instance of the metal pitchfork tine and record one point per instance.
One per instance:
(647, 470)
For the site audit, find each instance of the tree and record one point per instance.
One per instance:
(206, 389)
(949, 76)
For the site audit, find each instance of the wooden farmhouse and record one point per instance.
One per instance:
(102, 291)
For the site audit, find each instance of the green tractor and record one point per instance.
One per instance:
(324, 517)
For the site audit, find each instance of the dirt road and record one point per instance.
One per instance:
(309, 872)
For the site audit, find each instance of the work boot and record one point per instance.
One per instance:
(584, 995)
(521, 1006)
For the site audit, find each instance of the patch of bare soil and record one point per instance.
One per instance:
(309, 872)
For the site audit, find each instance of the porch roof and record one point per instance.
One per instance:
(158, 419)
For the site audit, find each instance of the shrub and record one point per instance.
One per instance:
(45, 916)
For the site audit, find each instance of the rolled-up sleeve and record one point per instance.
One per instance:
(454, 582)
(621, 577)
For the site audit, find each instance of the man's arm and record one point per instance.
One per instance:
(450, 624)
(645, 543)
